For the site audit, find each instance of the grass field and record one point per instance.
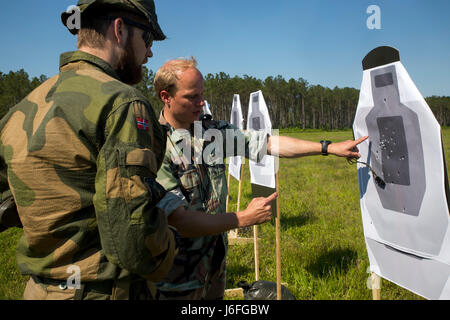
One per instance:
(323, 250)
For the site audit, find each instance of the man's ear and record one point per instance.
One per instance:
(120, 31)
(165, 97)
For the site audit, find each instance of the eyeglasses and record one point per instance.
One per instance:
(147, 36)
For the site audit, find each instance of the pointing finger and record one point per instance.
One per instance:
(272, 197)
(360, 140)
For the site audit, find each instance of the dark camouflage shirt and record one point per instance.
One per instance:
(201, 187)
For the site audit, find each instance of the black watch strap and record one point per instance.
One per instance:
(325, 144)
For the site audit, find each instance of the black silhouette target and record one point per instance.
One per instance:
(395, 158)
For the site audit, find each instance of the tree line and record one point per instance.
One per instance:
(15, 86)
(291, 103)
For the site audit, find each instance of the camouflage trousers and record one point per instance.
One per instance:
(214, 289)
(48, 289)
(215, 282)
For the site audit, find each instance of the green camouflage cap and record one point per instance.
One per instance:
(145, 8)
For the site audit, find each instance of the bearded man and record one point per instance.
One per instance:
(80, 156)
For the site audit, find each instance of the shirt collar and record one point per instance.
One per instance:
(163, 121)
(175, 135)
(78, 56)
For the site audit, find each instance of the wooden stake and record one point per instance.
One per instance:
(278, 242)
(237, 293)
(376, 281)
(239, 195)
(238, 240)
(232, 234)
(256, 247)
(228, 193)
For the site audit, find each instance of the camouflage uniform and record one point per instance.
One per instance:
(199, 266)
(80, 154)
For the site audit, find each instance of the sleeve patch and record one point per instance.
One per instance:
(143, 157)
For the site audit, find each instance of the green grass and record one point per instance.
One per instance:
(323, 250)
(12, 283)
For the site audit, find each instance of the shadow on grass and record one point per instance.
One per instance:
(295, 221)
(236, 273)
(332, 261)
(239, 269)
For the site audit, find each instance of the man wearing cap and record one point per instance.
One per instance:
(80, 155)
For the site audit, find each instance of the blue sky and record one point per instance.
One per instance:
(322, 41)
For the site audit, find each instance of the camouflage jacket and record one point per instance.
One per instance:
(80, 154)
(201, 187)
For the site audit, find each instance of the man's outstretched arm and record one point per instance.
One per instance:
(288, 147)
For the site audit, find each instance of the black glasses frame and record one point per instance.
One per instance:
(147, 36)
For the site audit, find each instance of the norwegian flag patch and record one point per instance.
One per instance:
(142, 124)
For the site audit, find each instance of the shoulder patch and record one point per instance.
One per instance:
(142, 123)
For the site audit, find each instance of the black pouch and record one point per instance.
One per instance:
(9, 217)
(264, 290)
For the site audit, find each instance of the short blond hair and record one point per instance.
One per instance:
(167, 76)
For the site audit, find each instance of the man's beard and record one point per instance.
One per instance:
(128, 71)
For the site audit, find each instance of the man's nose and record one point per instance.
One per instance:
(149, 52)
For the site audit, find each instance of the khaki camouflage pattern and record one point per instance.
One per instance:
(204, 188)
(83, 176)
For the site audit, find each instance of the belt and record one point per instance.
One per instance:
(118, 289)
(103, 287)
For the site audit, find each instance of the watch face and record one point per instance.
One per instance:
(325, 144)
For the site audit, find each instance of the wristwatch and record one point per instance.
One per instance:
(325, 144)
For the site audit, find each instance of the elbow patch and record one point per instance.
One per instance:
(144, 158)
(126, 180)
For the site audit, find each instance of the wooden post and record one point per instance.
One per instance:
(256, 248)
(231, 233)
(228, 192)
(278, 242)
(239, 195)
(376, 281)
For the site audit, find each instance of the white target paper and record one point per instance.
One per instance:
(406, 220)
(263, 172)
(206, 109)
(237, 120)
